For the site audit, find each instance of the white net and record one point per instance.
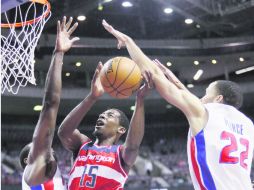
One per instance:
(18, 45)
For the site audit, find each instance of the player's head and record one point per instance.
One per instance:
(111, 123)
(23, 155)
(223, 91)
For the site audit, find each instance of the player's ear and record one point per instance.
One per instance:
(121, 130)
(218, 99)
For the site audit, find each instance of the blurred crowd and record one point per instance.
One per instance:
(161, 165)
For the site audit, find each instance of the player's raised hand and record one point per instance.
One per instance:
(143, 91)
(169, 74)
(96, 87)
(146, 87)
(64, 31)
(121, 37)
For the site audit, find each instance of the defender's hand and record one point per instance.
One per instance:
(144, 90)
(121, 37)
(64, 31)
(169, 74)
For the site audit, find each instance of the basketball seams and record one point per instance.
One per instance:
(114, 89)
(110, 85)
(125, 78)
(130, 87)
(120, 85)
(116, 70)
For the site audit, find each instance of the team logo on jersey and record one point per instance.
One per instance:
(97, 158)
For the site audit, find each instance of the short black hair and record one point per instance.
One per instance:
(24, 154)
(231, 92)
(123, 119)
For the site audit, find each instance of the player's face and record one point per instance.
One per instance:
(211, 94)
(107, 123)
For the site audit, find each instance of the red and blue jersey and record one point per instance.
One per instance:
(97, 167)
(220, 155)
(56, 183)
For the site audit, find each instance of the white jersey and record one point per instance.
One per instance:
(220, 155)
(56, 183)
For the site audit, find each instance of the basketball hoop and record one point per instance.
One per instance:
(20, 34)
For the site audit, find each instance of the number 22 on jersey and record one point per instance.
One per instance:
(234, 145)
(90, 179)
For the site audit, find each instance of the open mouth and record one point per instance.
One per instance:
(99, 123)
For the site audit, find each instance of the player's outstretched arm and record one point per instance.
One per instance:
(181, 98)
(43, 134)
(136, 130)
(44, 131)
(68, 133)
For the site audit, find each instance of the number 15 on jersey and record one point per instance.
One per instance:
(89, 179)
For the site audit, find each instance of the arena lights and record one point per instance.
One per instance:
(78, 64)
(196, 62)
(169, 64)
(81, 17)
(107, 1)
(190, 85)
(241, 71)
(37, 108)
(188, 21)
(100, 7)
(198, 74)
(168, 10)
(214, 61)
(67, 74)
(127, 4)
(241, 59)
(168, 106)
(132, 108)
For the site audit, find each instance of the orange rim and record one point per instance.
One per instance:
(20, 24)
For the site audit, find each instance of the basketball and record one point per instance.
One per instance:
(120, 77)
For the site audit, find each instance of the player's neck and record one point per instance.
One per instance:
(105, 142)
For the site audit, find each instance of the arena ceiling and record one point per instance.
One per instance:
(221, 30)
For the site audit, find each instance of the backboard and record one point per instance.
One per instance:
(9, 4)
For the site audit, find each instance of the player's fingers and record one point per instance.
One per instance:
(73, 28)
(58, 27)
(149, 74)
(110, 29)
(106, 25)
(95, 75)
(69, 23)
(119, 45)
(63, 23)
(160, 65)
(146, 78)
(150, 80)
(99, 66)
(75, 39)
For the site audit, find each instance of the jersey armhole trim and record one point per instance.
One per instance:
(119, 160)
(208, 118)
